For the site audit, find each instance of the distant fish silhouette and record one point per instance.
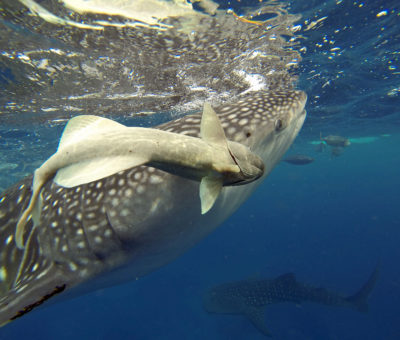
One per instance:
(337, 151)
(336, 141)
(250, 297)
(298, 159)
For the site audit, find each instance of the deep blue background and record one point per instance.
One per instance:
(328, 222)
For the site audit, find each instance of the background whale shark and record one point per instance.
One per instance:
(250, 297)
(126, 225)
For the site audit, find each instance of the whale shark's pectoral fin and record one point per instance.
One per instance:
(210, 188)
(28, 278)
(32, 293)
(256, 316)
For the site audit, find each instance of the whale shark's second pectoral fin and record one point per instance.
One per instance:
(210, 188)
(92, 170)
(256, 316)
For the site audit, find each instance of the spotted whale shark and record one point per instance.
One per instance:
(125, 225)
(250, 297)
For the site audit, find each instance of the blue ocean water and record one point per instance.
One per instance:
(329, 222)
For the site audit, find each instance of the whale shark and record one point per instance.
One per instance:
(250, 297)
(123, 226)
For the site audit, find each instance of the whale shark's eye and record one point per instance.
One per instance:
(279, 125)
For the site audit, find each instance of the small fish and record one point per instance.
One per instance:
(298, 159)
(336, 141)
(250, 297)
(337, 151)
(128, 224)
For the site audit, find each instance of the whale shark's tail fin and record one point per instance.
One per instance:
(359, 299)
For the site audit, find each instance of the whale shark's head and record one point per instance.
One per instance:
(266, 122)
